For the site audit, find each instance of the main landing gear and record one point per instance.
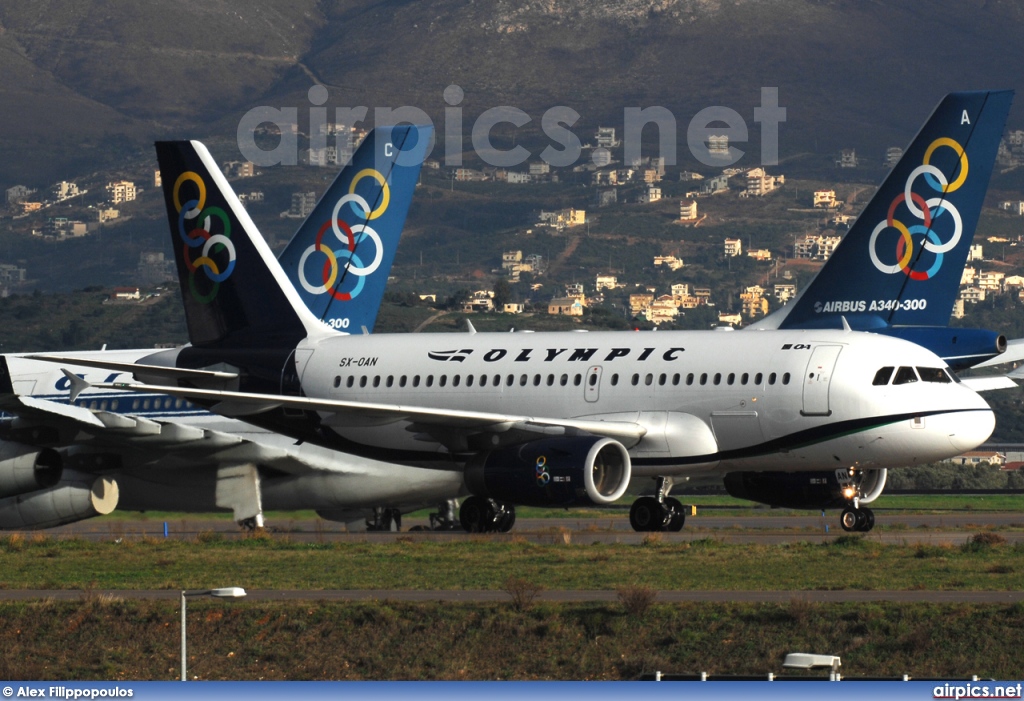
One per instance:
(479, 515)
(444, 518)
(859, 519)
(384, 519)
(658, 513)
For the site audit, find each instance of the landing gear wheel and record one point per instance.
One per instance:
(476, 514)
(860, 520)
(851, 519)
(646, 515)
(506, 519)
(677, 517)
(869, 520)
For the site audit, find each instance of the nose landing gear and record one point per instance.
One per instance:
(855, 518)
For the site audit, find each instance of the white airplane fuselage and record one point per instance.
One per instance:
(710, 401)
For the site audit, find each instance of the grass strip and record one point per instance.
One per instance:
(987, 562)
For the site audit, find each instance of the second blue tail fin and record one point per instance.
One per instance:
(340, 258)
(901, 262)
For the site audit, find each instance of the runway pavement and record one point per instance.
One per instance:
(891, 528)
(564, 596)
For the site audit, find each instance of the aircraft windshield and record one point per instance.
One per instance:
(905, 376)
(883, 376)
(933, 375)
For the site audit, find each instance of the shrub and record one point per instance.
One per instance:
(980, 542)
(637, 600)
(522, 591)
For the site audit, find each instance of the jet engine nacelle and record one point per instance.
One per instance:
(805, 490)
(552, 472)
(25, 469)
(76, 497)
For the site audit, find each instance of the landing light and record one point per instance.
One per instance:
(848, 492)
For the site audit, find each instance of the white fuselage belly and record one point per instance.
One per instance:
(773, 400)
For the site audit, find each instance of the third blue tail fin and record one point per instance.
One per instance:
(901, 262)
(340, 258)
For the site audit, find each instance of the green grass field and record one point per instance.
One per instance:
(849, 562)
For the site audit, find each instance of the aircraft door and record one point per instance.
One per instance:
(592, 384)
(817, 378)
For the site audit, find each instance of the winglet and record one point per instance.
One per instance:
(78, 384)
(469, 326)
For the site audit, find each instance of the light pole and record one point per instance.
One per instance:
(223, 593)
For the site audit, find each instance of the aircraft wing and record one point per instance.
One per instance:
(348, 413)
(989, 383)
(1014, 353)
(146, 439)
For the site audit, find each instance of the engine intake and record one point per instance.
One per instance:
(77, 497)
(552, 472)
(805, 490)
(25, 469)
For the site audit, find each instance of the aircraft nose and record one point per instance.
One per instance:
(971, 429)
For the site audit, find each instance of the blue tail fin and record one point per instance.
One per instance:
(901, 262)
(340, 258)
(234, 291)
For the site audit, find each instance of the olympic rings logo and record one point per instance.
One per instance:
(216, 253)
(927, 211)
(335, 259)
(543, 476)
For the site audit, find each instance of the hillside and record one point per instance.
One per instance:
(85, 79)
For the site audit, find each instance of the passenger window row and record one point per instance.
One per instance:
(550, 380)
(456, 380)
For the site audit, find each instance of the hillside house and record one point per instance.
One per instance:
(733, 247)
(565, 306)
(825, 199)
(760, 183)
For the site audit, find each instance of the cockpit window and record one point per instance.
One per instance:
(905, 376)
(933, 375)
(882, 376)
(952, 375)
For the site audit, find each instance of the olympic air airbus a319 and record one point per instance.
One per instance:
(809, 409)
